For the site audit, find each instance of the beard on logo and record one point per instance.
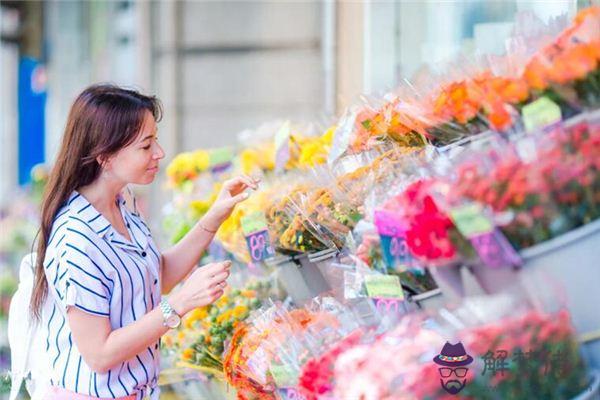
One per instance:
(453, 386)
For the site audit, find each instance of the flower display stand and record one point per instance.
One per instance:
(593, 390)
(570, 263)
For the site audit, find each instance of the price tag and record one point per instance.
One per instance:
(259, 246)
(395, 252)
(470, 220)
(290, 393)
(389, 223)
(342, 136)
(388, 305)
(384, 287)
(494, 250)
(283, 376)
(392, 234)
(254, 227)
(282, 146)
(540, 114)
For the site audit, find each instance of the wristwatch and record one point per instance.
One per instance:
(170, 317)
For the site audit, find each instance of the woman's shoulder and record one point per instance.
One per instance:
(75, 222)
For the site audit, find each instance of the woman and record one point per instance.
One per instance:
(97, 261)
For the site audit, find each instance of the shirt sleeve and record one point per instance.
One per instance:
(81, 280)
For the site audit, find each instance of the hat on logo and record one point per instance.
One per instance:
(453, 355)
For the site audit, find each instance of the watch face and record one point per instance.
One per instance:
(173, 321)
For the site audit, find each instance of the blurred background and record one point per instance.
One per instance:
(219, 67)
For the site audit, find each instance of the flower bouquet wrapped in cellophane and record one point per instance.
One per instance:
(287, 227)
(199, 343)
(503, 347)
(267, 351)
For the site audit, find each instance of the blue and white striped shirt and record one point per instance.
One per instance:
(89, 265)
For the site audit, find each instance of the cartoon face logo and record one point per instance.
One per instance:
(453, 360)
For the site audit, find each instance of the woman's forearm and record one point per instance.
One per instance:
(180, 259)
(125, 343)
(103, 348)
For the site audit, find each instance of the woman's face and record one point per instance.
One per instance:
(138, 162)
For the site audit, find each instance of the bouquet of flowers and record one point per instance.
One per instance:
(517, 352)
(200, 342)
(396, 121)
(567, 70)
(287, 227)
(269, 348)
(544, 195)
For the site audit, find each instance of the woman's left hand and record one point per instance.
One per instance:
(232, 192)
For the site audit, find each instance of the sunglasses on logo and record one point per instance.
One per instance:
(459, 372)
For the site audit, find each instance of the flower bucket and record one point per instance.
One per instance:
(310, 272)
(289, 276)
(300, 277)
(495, 280)
(593, 390)
(570, 263)
(449, 280)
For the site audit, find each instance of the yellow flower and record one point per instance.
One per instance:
(248, 293)
(200, 207)
(187, 354)
(222, 301)
(258, 158)
(224, 317)
(240, 311)
(196, 315)
(327, 137)
(187, 166)
(201, 160)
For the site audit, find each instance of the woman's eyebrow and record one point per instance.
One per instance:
(148, 137)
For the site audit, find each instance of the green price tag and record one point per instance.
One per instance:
(253, 222)
(540, 113)
(282, 375)
(384, 286)
(470, 221)
(220, 156)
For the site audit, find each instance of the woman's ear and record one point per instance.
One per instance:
(103, 161)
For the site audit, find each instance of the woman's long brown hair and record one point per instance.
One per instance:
(103, 119)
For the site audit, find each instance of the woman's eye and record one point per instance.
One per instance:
(146, 147)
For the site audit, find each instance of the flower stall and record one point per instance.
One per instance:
(365, 239)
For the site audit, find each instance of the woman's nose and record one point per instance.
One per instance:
(159, 153)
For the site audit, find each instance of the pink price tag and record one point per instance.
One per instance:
(259, 246)
(398, 247)
(291, 394)
(389, 223)
(494, 250)
(387, 305)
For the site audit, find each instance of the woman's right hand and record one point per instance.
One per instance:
(203, 287)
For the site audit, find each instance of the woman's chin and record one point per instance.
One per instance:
(146, 179)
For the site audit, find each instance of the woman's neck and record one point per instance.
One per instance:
(102, 194)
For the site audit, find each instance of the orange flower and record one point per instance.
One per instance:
(590, 12)
(536, 74)
(499, 118)
(460, 100)
(574, 63)
(187, 354)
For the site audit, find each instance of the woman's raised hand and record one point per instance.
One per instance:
(232, 193)
(203, 287)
